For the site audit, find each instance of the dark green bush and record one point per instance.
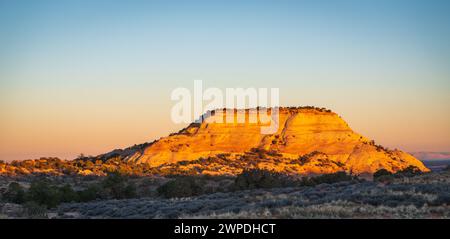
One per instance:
(118, 187)
(410, 171)
(381, 172)
(383, 175)
(34, 210)
(257, 178)
(67, 194)
(129, 191)
(89, 194)
(443, 199)
(180, 187)
(15, 193)
(43, 193)
(327, 178)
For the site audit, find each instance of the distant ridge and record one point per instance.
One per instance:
(432, 155)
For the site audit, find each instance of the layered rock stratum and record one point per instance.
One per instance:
(309, 140)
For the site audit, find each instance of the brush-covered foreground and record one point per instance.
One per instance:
(253, 194)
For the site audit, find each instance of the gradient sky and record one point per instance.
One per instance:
(91, 76)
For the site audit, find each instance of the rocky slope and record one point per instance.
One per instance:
(308, 141)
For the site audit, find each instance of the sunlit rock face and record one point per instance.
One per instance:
(308, 141)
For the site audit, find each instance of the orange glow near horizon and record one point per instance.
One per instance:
(65, 131)
(89, 78)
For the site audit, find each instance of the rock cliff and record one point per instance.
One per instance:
(308, 141)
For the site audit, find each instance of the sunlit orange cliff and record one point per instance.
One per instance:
(308, 141)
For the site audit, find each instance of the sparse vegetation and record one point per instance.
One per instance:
(257, 178)
(383, 175)
(117, 186)
(327, 196)
(410, 171)
(188, 186)
(15, 193)
(180, 187)
(381, 172)
(91, 193)
(423, 196)
(44, 193)
(34, 210)
(328, 178)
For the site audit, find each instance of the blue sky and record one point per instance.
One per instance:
(374, 62)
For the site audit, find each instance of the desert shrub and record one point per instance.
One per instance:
(117, 186)
(129, 191)
(383, 175)
(88, 165)
(327, 178)
(42, 193)
(180, 187)
(257, 178)
(443, 199)
(387, 179)
(15, 193)
(381, 172)
(410, 171)
(89, 194)
(34, 210)
(46, 194)
(67, 194)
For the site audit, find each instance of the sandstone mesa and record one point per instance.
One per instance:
(309, 141)
(322, 138)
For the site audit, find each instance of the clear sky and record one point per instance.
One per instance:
(91, 76)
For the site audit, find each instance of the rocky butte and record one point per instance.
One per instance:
(309, 140)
